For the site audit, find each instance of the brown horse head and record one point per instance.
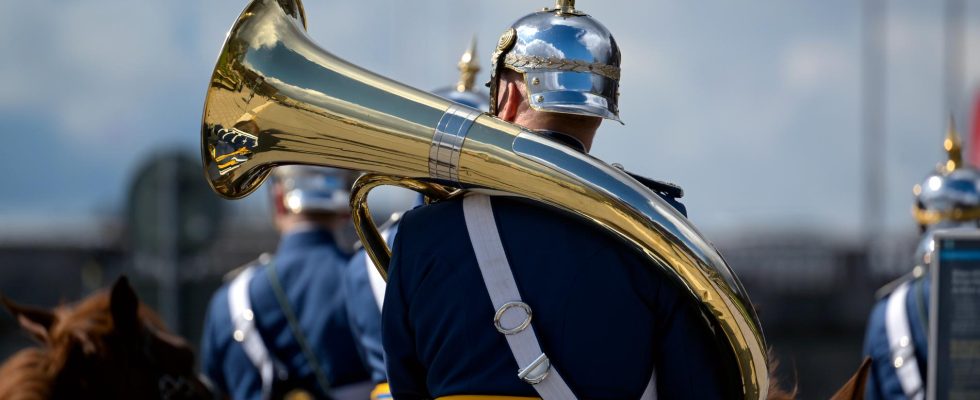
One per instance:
(109, 345)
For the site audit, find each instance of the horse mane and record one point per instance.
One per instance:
(27, 375)
(32, 373)
(776, 390)
(89, 321)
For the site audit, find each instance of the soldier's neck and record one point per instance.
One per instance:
(562, 138)
(584, 133)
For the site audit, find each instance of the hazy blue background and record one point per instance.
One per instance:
(754, 108)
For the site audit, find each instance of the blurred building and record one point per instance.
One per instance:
(813, 290)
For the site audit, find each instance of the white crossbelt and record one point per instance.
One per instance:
(378, 283)
(900, 343)
(513, 317)
(243, 319)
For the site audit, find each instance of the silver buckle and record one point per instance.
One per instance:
(520, 327)
(537, 371)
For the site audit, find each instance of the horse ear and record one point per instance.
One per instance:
(124, 304)
(36, 321)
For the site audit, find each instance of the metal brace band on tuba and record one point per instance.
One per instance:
(447, 142)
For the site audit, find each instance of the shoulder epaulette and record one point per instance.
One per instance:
(263, 259)
(890, 287)
(666, 188)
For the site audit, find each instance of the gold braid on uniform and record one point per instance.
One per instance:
(520, 63)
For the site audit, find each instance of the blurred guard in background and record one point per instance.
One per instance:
(896, 341)
(366, 287)
(605, 324)
(280, 327)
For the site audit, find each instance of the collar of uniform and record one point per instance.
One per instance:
(304, 238)
(563, 138)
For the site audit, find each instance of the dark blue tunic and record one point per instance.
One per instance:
(311, 270)
(883, 381)
(603, 316)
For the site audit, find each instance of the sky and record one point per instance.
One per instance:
(753, 107)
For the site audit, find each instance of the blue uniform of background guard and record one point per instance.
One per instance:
(883, 381)
(312, 271)
(365, 315)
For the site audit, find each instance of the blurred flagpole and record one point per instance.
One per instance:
(954, 49)
(874, 35)
(953, 35)
(973, 154)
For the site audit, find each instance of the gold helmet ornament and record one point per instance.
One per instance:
(464, 92)
(948, 198)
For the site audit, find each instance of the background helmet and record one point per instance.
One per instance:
(927, 243)
(463, 92)
(948, 198)
(570, 62)
(309, 189)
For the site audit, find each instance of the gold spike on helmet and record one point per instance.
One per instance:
(951, 194)
(464, 91)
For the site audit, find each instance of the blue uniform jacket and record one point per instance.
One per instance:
(311, 270)
(603, 316)
(364, 314)
(882, 381)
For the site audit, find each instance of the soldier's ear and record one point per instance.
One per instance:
(35, 321)
(511, 102)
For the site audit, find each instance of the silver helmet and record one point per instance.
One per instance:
(570, 62)
(927, 242)
(308, 189)
(948, 198)
(464, 92)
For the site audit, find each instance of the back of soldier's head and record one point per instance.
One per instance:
(309, 193)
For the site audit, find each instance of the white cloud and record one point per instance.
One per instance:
(541, 48)
(268, 35)
(812, 65)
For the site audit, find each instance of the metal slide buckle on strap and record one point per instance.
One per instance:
(537, 371)
(519, 305)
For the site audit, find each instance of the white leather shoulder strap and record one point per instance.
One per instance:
(378, 283)
(245, 333)
(900, 344)
(513, 317)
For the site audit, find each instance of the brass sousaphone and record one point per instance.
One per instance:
(275, 98)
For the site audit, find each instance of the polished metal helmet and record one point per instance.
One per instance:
(308, 189)
(948, 198)
(570, 62)
(464, 92)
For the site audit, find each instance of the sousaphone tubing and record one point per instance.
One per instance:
(276, 98)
